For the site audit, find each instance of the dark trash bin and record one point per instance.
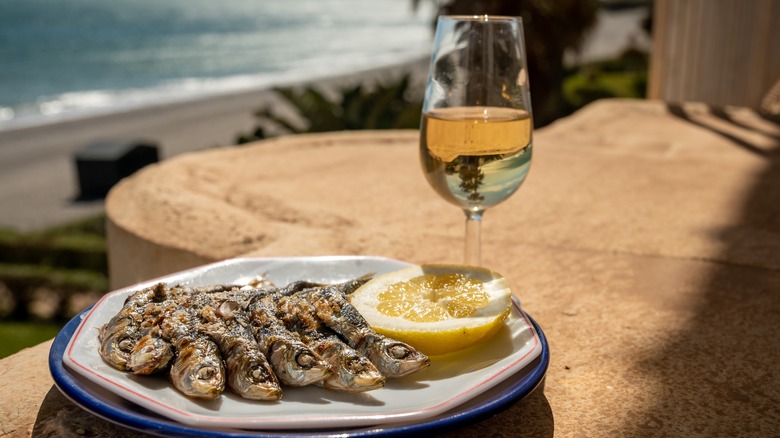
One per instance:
(102, 164)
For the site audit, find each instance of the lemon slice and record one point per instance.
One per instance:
(437, 309)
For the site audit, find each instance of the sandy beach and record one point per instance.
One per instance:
(38, 179)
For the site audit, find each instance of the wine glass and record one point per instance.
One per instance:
(475, 136)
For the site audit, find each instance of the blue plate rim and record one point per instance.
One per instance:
(73, 389)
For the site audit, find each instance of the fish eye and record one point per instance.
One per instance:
(125, 343)
(205, 373)
(398, 351)
(356, 364)
(258, 372)
(305, 359)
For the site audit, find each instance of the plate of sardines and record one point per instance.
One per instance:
(274, 344)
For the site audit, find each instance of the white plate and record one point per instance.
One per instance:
(449, 381)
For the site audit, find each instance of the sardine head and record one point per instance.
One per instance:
(150, 355)
(117, 340)
(353, 372)
(393, 358)
(198, 372)
(251, 377)
(297, 365)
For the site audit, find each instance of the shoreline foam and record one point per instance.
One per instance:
(95, 103)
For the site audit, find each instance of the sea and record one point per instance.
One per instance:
(62, 59)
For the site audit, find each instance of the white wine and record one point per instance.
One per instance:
(476, 157)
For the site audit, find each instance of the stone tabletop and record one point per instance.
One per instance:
(645, 242)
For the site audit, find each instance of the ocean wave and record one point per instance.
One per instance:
(121, 60)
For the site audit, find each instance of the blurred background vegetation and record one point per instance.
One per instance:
(553, 28)
(47, 277)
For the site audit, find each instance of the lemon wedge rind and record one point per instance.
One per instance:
(440, 336)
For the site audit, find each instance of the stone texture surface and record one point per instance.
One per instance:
(645, 242)
(24, 379)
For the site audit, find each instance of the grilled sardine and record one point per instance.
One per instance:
(352, 372)
(294, 363)
(393, 358)
(152, 353)
(248, 372)
(197, 370)
(120, 335)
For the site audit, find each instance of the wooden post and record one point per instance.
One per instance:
(720, 52)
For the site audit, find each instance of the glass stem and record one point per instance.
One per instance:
(473, 238)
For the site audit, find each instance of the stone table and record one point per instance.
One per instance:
(645, 242)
